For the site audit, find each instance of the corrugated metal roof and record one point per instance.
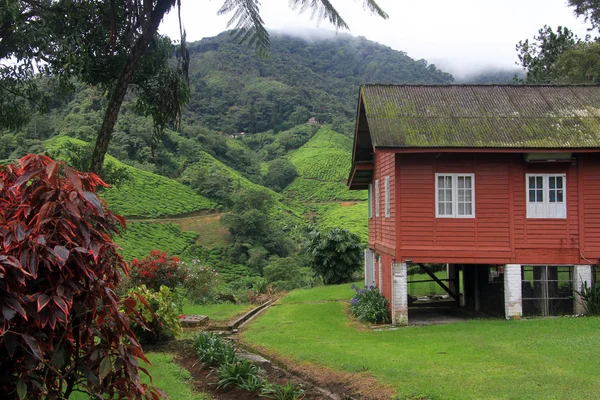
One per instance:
(486, 116)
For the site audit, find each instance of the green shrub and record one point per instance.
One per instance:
(158, 269)
(335, 255)
(288, 274)
(240, 373)
(590, 298)
(212, 350)
(163, 320)
(368, 305)
(290, 391)
(201, 283)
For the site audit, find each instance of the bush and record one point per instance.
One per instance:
(212, 350)
(201, 283)
(288, 274)
(60, 324)
(590, 298)
(368, 305)
(240, 373)
(290, 391)
(161, 314)
(158, 269)
(335, 255)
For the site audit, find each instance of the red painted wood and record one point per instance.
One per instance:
(500, 231)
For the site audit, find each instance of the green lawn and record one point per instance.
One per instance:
(170, 377)
(482, 359)
(216, 312)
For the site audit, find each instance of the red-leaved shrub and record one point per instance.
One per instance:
(60, 325)
(158, 269)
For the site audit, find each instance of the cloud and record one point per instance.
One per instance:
(463, 35)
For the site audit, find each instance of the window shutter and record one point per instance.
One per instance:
(387, 196)
(377, 198)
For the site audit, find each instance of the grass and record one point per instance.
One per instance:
(354, 218)
(145, 194)
(208, 229)
(142, 237)
(311, 191)
(321, 293)
(325, 157)
(216, 312)
(168, 376)
(481, 359)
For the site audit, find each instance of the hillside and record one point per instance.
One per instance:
(323, 164)
(235, 91)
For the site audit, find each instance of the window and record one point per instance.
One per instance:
(387, 196)
(455, 195)
(377, 198)
(370, 193)
(546, 196)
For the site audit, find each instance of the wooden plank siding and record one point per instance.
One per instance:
(591, 208)
(500, 232)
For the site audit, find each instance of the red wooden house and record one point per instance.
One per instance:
(499, 182)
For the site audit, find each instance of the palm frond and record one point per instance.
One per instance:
(372, 6)
(248, 24)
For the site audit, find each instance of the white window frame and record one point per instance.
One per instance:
(370, 194)
(454, 200)
(377, 197)
(387, 197)
(546, 209)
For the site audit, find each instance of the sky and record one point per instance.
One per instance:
(459, 36)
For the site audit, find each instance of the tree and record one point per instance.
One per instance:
(335, 254)
(281, 172)
(589, 9)
(61, 329)
(109, 44)
(539, 57)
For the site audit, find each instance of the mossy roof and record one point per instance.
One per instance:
(483, 116)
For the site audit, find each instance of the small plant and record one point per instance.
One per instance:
(290, 391)
(240, 373)
(213, 350)
(158, 269)
(590, 298)
(163, 321)
(368, 305)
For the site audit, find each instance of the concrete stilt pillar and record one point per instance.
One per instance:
(399, 294)
(369, 268)
(582, 274)
(513, 303)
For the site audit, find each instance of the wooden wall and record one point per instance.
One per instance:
(500, 233)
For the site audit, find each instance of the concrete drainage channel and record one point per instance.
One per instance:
(252, 355)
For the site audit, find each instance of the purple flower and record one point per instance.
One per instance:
(354, 301)
(353, 286)
(361, 291)
(371, 287)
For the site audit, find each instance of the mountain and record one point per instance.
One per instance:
(233, 90)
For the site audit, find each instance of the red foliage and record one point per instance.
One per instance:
(60, 325)
(158, 269)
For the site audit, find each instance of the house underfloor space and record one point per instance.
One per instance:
(446, 293)
(441, 314)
